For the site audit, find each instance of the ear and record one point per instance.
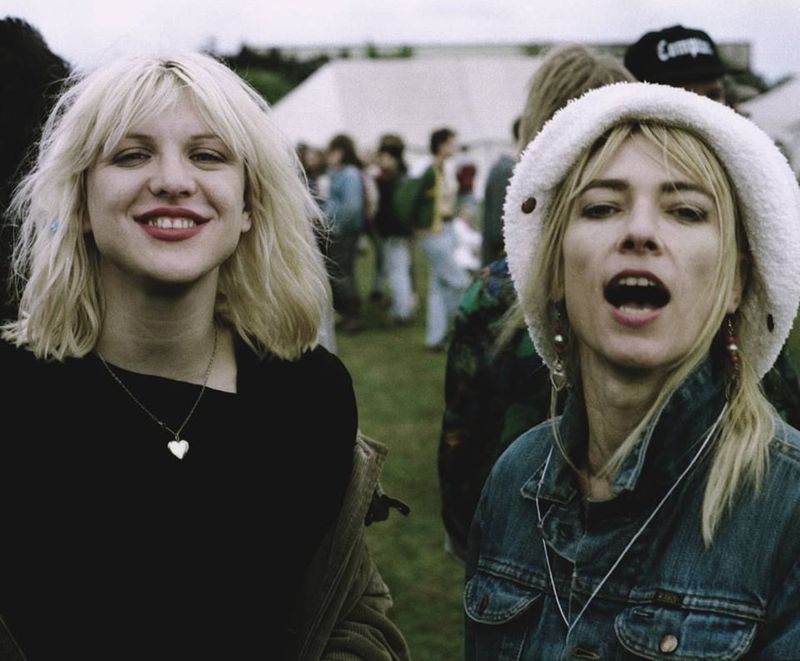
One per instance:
(247, 221)
(739, 283)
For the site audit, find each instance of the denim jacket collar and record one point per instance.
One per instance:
(663, 450)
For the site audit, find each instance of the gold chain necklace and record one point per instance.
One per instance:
(178, 446)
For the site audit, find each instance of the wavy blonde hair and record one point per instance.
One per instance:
(273, 290)
(566, 72)
(747, 426)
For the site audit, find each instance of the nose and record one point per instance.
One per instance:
(172, 177)
(640, 231)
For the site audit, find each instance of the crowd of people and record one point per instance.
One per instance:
(375, 201)
(619, 457)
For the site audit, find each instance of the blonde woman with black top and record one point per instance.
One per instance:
(191, 451)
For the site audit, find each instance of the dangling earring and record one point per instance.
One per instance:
(558, 372)
(731, 343)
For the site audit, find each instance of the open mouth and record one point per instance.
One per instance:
(636, 292)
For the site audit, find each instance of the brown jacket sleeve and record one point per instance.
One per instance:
(365, 631)
(342, 612)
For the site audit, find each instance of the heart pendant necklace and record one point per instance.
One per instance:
(178, 446)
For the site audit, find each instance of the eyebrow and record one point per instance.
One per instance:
(193, 138)
(621, 185)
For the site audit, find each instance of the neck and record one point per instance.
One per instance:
(163, 335)
(616, 402)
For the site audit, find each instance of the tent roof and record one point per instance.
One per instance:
(776, 109)
(478, 97)
(777, 112)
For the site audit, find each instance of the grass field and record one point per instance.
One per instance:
(400, 388)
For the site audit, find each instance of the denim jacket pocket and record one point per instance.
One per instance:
(653, 632)
(497, 609)
(490, 599)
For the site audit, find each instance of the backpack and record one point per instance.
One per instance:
(406, 202)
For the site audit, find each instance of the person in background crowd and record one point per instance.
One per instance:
(493, 195)
(31, 78)
(681, 57)
(196, 477)
(447, 280)
(316, 170)
(371, 237)
(344, 208)
(312, 162)
(495, 384)
(395, 236)
(466, 202)
(652, 237)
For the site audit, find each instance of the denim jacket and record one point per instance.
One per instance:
(669, 597)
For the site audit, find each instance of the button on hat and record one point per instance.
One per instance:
(674, 55)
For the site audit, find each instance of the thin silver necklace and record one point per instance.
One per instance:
(633, 539)
(178, 446)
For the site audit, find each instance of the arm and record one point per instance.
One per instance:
(365, 630)
(342, 609)
(467, 438)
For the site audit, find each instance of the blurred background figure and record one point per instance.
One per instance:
(395, 236)
(447, 280)
(31, 79)
(681, 57)
(312, 160)
(344, 208)
(370, 236)
(468, 242)
(494, 195)
(316, 170)
(466, 201)
(495, 384)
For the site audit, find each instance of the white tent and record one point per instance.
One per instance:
(778, 113)
(478, 97)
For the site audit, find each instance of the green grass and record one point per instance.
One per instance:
(400, 391)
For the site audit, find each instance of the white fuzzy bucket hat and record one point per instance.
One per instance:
(766, 187)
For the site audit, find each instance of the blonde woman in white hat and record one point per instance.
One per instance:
(653, 238)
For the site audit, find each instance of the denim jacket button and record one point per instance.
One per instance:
(669, 643)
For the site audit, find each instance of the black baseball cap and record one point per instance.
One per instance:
(674, 55)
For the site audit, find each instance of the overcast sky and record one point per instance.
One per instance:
(85, 31)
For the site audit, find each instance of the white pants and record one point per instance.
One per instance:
(447, 283)
(397, 271)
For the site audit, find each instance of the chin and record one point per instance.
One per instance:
(175, 281)
(640, 363)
